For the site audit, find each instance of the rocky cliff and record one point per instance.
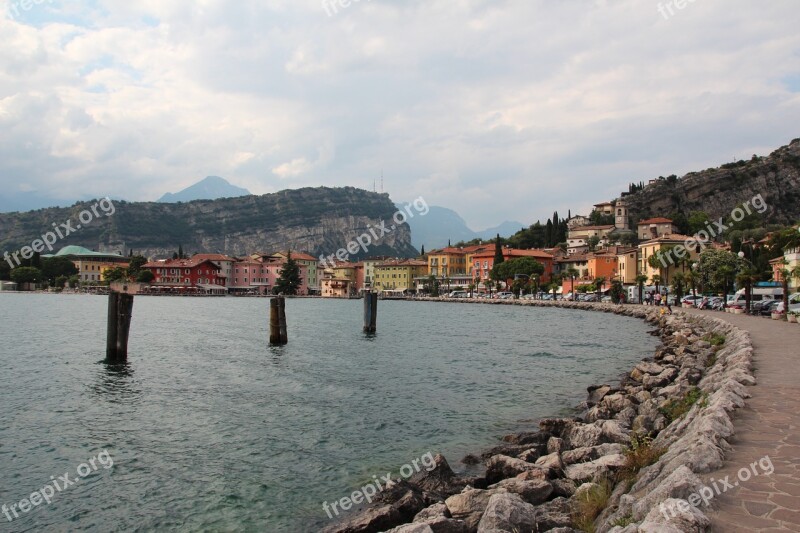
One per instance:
(718, 191)
(317, 220)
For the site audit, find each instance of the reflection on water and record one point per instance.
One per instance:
(115, 383)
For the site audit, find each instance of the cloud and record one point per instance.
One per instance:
(500, 109)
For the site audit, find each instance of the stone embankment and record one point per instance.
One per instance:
(629, 463)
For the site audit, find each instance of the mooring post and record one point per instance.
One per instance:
(277, 321)
(120, 311)
(282, 320)
(370, 312)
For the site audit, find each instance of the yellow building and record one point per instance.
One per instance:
(369, 269)
(398, 274)
(673, 247)
(447, 262)
(92, 265)
(628, 265)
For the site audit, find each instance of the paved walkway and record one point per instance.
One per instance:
(769, 426)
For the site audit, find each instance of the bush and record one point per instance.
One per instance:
(640, 454)
(589, 505)
(715, 339)
(675, 409)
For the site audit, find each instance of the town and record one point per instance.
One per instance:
(618, 261)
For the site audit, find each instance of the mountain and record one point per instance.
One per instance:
(441, 225)
(318, 220)
(506, 229)
(718, 191)
(211, 188)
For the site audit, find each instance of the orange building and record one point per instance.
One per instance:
(603, 264)
(483, 262)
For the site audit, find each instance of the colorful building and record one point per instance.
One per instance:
(91, 265)
(627, 265)
(447, 262)
(185, 274)
(311, 279)
(653, 228)
(398, 274)
(369, 269)
(664, 244)
(224, 262)
(483, 262)
(260, 276)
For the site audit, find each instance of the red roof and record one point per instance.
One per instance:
(214, 257)
(179, 263)
(514, 252)
(657, 220)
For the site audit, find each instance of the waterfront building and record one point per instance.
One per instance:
(447, 262)
(91, 265)
(224, 262)
(398, 274)
(627, 265)
(483, 262)
(184, 274)
(369, 269)
(664, 244)
(311, 280)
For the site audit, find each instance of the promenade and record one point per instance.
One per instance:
(768, 426)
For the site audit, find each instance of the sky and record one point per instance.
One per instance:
(499, 109)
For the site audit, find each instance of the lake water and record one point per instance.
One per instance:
(211, 429)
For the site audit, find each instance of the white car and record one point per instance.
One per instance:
(794, 303)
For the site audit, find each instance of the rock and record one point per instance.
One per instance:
(530, 475)
(680, 517)
(502, 467)
(649, 367)
(584, 489)
(597, 393)
(612, 431)
(680, 484)
(583, 435)
(437, 510)
(371, 519)
(507, 512)
(532, 491)
(660, 380)
(511, 450)
(437, 478)
(563, 487)
(552, 463)
(555, 445)
(553, 514)
(412, 528)
(582, 455)
(528, 437)
(555, 426)
(530, 456)
(595, 470)
(471, 459)
(616, 402)
(470, 505)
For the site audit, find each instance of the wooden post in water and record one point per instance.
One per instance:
(370, 312)
(277, 321)
(120, 311)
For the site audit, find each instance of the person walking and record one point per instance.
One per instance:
(666, 301)
(657, 299)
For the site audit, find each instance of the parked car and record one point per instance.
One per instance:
(690, 299)
(505, 295)
(768, 307)
(794, 303)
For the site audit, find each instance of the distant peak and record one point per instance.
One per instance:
(209, 188)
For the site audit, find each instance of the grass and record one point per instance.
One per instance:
(640, 454)
(714, 339)
(589, 505)
(675, 409)
(625, 521)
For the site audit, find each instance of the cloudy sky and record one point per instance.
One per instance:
(500, 109)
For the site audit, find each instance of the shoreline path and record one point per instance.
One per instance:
(769, 425)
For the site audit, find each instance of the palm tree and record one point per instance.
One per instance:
(556, 281)
(694, 278)
(678, 284)
(746, 278)
(724, 273)
(598, 283)
(572, 273)
(641, 279)
(785, 275)
(656, 279)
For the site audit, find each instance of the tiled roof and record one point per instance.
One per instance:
(179, 263)
(657, 220)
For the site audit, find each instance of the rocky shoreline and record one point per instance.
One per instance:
(628, 463)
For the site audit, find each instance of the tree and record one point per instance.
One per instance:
(617, 291)
(786, 274)
(135, 265)
(498, 252)
(598, 283)
(26, 275)
(489, 284)
(145, 276)
(5, 271)
(115, 274)
(60, 281)
(422, 251)
(289, 281)
(572, 273)
(678, 285)
(656, 279)
(592, 242)
(746, 278)
(717, 268)
(556, 283)
(54, 267)
(521, 266)
(74, 281)
(641, 279)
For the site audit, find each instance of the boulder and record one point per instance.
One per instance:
(552, 463)
(597, 393)
(680, 484)
(533, 491)
(502, 467)
(595, 470)
(649, 367)
(590, 453)
(507, 512)
(553, 514)
(470, 504)
(675, 516)
(437, 510)
(440, 480)
(378, 518)
(555, 426)
(583, 435)
(555, 445)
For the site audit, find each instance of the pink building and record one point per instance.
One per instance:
(259, 276)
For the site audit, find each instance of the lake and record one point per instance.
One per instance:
(209, 428)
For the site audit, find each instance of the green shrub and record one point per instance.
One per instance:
(589, 505)
(715, 339)
(640, 453)
(674, 409)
